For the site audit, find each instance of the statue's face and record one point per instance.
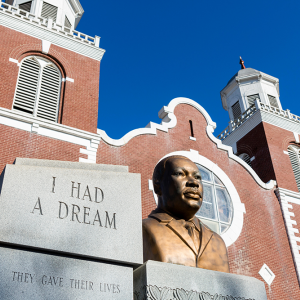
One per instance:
(181, 188)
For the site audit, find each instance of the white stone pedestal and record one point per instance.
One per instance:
(163, 281)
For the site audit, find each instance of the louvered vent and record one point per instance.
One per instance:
(26, 6)
(251, 99)
(49, 94)
(49, 11)
(273, 101)
(236, 110)
(67, 22)
(294, 157)
(246, 158)
(72, 5)
(27, 86)
(38, 89)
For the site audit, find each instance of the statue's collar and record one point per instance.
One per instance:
(166, 218)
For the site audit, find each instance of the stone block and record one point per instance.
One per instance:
(83, 212)
(36, 276)
(157, 280)
(68, 165)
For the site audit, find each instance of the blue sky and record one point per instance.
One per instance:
(159, 50)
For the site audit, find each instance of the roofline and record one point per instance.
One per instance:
(78, 5)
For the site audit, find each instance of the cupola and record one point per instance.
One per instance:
(245, 87)
(63, 12)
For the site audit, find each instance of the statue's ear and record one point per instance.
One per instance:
(157, 188)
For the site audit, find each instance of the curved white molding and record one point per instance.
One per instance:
(235, 229)
(169, 120)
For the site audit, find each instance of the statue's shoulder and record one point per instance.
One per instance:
(150, 221)
(216, 238)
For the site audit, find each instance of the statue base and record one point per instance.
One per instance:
(156, 280)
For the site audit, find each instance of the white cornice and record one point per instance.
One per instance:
(77, 4)
(59, 38)
(48, 128)
(169, 120)
(258, 117)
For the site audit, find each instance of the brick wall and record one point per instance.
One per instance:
(263, 238)
(278, 140)
(19, 143)
(80, 99)
(255, 144)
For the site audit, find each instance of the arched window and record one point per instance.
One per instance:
(293, 152)
(246, 158)
(216, 210)
(38, 88)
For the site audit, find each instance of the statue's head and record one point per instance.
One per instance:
(178, 185)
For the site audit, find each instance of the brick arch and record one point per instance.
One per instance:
(288, 141)
(56, 55)
(20, 52)
(17, 52)
(57, 63)
(245, 149)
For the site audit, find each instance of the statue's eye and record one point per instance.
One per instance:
(178, 173)
(198, 177)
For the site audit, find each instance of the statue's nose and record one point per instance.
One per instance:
(192, 182)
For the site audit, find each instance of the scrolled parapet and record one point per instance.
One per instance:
(152, 292)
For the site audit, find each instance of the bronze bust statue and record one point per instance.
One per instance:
(172, 233)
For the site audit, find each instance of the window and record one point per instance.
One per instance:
(26, 6)
(251, 99)
(216, 210)
(38, 88)
(67, 22)
(10, 2)
(293, 152)
(246, 158)
(273, 101)
(49, 11)
(236, 110)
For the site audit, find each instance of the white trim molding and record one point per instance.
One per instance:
(169, 120)
(42, 29)
(67, 79)
(235, 229)
(267, 275)
(53, 130)
(13, 60)
(287, 199)
(46, 46)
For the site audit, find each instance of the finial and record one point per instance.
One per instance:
(242, 63)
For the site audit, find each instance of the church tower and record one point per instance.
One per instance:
(49, 82)
(50, 71)
(266, 137)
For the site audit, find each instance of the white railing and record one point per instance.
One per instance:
(233, 125)
(48, 23)
(237, 122)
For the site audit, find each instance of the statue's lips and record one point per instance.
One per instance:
(195, 194)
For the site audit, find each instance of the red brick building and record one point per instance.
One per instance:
(251, 173)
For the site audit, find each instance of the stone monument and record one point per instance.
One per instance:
(68, 230)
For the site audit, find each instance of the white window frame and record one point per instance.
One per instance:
(235, 229)
(47, 63)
